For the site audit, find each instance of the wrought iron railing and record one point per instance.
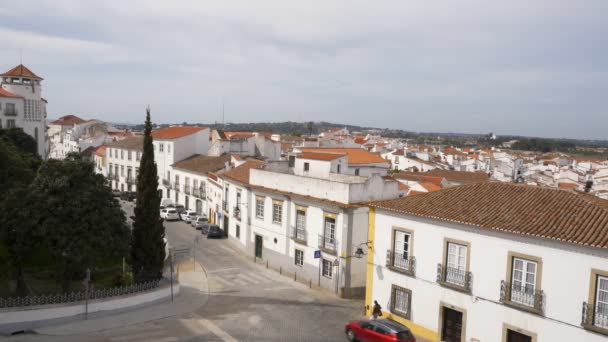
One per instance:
(167, 183)
(595, 316)
(298, 234)
(454, 278)
(225, 206)
(522, 297)
(130, 180)
(236, 212)
(196, 192)
(401, 262)
(60, 298)
(175, 186)
(187, 189)
(327, 243)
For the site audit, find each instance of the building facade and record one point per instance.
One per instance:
(123, 159)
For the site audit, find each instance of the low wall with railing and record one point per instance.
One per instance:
(28, 313)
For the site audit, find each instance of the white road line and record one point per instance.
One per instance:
(261, 277)
(248, 278)
(217, 331)
(222, 281)
(240, 281)
(223, 270)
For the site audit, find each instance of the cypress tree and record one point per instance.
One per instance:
(148, 246)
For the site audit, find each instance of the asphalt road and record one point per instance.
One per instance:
(245, 302)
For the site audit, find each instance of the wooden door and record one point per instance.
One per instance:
(514, 336)
(258, 246)
(452, 325)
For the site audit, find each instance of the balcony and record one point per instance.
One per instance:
(454, 278)
(187, 189)
(175, 186)
(327, 244)
(131, 180)
(522, 297)
(10, 112)
(401, 263)
(115, 177)
(196, 192)
(298, 234)
(225, 206)
(167, 183)
(595, 318)
(236, 212)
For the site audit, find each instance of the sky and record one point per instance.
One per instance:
(536, 68)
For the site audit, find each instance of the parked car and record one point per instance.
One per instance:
(180, 208)
(128, 196)
(188, 215)
(163, 213)
(379, 330)
(116, 193)
(215, 232)
(205, 228)
(171, 215)
(199, 221)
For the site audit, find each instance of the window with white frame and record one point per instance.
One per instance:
(300, 219)
(299, 257)
(401, 301)
(259, 207)
(160, 147)
(327, 268)
(601, 302)
(401, 249)
(122, 154)
(277, 211)
(456, 264)
(523, 281)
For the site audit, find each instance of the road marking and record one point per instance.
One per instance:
(223, 270)
(221, 280)
(248, 278)
(141, 336)
(217, 331)
(261, 277)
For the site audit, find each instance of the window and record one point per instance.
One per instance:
(396, 160)
(10, 109)
(402, 244)
(401, 255)
(168, 148)
(306, 167)
(300, 219)
(187, 202)
(122, 170)
(137, 156)
(339, 168)
(401, 301)
(601, 302)
(523, 281)
(160, 147)
(356, 172)
(330, 228)
(299, 258)
(259, 206)
(456, 264)
(129, 154)
(10, 124)
(292, 161)
(277, 211)
(122, 154)
(327, 268)
(238, 231)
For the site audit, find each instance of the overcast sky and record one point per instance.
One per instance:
(512, 67)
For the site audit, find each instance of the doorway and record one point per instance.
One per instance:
(199, 207)
(226, 226)
(514, 336)
(451, 327)
(259, 244)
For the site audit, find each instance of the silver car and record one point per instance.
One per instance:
(199, 221)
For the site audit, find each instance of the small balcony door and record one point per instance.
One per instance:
(451, 328)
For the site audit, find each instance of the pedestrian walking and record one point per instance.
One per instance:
(377, 310)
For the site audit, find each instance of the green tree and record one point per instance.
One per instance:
(83, 224)
(148, 245)
(21, 140)
(309, 126)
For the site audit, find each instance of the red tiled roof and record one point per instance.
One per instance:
(22, 71)
(355, 155)
(203, 164)
(6, 93)
(68, 120)
(241, 172)
(430, 187)
(100, 150)
(360, 141)
(459, 176)
(418, 177)
(176, 132)
(320, 156)
(567, 185)
(238, 135)
(519, 209)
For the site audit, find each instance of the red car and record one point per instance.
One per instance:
(379, 330)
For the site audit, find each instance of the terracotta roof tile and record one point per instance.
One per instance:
(203, 164)
(6, 93)
(355, 155)
(22, 71)
(68, 120)
(519, 209)
(459, 176)
(241, 172)
(176, 132)
(418, 177)
(100, 150)
(567, 185)
(430, 187)
(320, 156)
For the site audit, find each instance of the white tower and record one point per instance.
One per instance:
(22, 105)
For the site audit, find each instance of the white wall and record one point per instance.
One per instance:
(566, 271)
(112, 161)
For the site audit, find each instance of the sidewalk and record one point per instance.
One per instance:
(194, 293)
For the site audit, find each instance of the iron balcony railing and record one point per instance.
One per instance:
(196, 192)
(175, 186)
(10, 112)
(187, 189)
(454, 278)
(116, 176)
(298, 234)
(401, 262)
(236, 212)
(225, 206)
(130, 180)
(327, 243)
(522, 297)
(595, 317)
(167, 183)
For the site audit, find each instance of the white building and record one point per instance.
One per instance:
(282, 214)
(123, 158)
(492, 261)
(22, 105)
(245, 144)
(358, 162)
